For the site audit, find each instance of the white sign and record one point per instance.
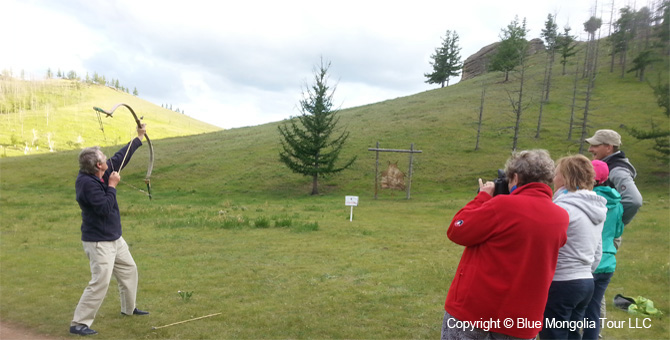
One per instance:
(351, 201)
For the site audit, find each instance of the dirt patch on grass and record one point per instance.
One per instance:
(10, 331)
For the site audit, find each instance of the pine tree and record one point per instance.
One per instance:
(662, 31)
(512, 48)
(622, 36)
(550, 35)
(660, 133)
(565, 44)
(446, 60)
(309, 149)
(643, 60)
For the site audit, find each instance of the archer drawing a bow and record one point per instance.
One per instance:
(147, 178)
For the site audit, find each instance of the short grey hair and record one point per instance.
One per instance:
(88, 160)
(531, 166)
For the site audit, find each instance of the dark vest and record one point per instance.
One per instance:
(615, 161)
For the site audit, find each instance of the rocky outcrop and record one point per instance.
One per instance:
(536, 45)
(476, 64)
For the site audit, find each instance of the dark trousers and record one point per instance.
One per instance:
(567, 302)
(600, 282)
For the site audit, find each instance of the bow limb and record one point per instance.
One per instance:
(150, 167)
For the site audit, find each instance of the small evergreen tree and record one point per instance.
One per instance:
(550, 35)
(642, 61)
(309, 149)
(446, 60)
(622, 36)
(512, 49)
(565, 43)
(660, 133)
(662, 31)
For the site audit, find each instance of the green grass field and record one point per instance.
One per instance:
(229, 223)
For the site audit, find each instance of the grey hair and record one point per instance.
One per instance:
(531, 166)
(88, 160)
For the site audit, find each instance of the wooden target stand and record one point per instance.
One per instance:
(411, 152)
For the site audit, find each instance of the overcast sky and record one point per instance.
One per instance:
(244, 63)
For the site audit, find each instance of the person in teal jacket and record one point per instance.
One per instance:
(613, 228)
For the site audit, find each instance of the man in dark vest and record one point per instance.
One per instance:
(605, 147)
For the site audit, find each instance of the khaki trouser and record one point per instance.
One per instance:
(107, 258)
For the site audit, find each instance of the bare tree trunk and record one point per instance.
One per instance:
(315, 185)
(594, 71)
(591, 83)
(315, 177)
(586, 114)
(586, 58)
(543, 95)
(519, 109)
(574, 100)
(539, 120)
(551, 68)
(609, 35)
(481, 114)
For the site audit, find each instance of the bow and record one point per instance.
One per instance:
(147, 178)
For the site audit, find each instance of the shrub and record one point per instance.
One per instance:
(262, 222)
(283, 222)
(306, 227)
(231, 222)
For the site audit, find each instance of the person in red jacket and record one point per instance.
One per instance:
(511, 247)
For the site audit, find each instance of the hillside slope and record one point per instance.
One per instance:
(443, 124)
(57, 115)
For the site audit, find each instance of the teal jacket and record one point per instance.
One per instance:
(613, 228)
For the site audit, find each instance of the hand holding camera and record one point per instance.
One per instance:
(487, 187)
(501, 184)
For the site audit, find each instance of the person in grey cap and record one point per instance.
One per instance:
(605, 147)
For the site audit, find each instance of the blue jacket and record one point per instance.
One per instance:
(100, 217)
(613, 228)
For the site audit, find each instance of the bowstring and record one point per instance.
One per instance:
(121, 167)
(102, 127)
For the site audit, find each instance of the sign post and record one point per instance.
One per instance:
(351, 201)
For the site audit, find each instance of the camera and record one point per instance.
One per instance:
(501, 184)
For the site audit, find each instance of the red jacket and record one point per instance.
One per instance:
(511, 247)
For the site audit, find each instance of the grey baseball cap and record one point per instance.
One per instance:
(609, 137)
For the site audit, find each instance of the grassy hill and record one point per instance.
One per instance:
(231, 224)
(56, 115)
